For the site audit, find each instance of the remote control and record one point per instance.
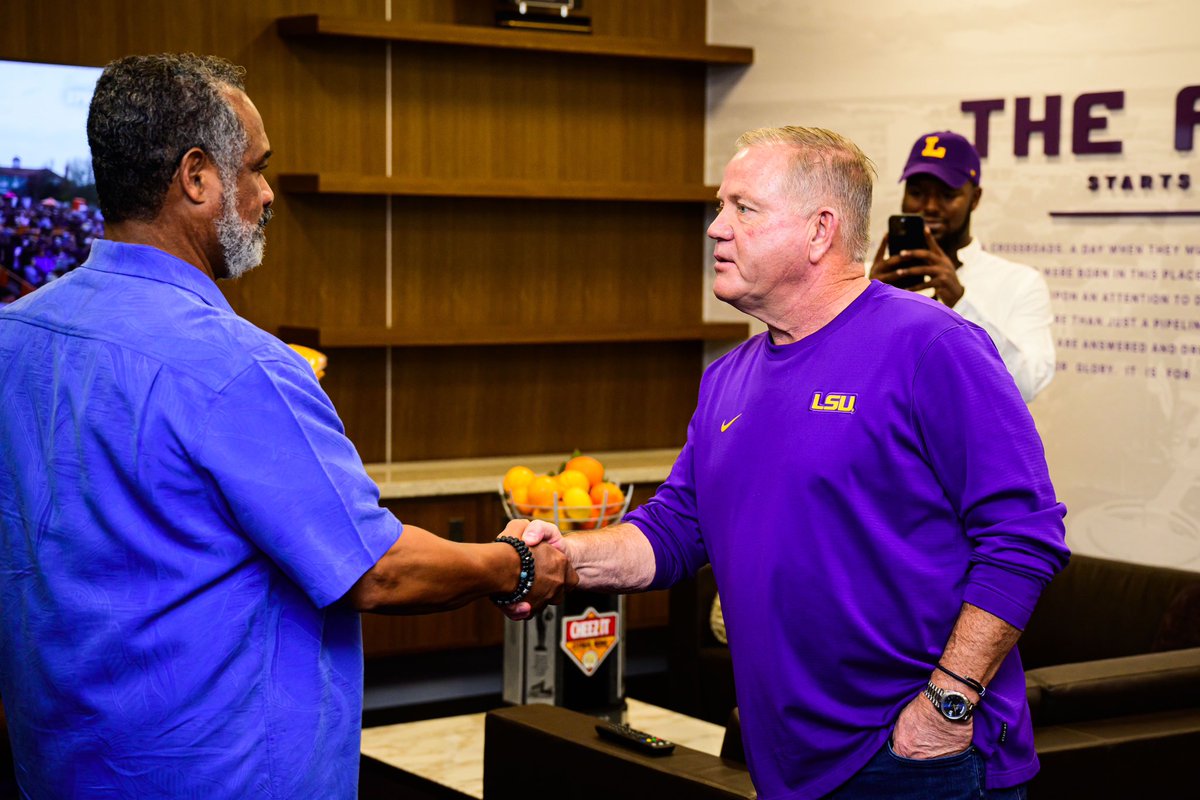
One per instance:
(638, 740)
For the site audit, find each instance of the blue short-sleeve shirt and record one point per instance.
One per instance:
(179, 510)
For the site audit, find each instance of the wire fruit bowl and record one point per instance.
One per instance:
(570, 518)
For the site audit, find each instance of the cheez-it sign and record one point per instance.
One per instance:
(589, 638)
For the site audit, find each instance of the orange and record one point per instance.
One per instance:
(520, 499)
(616, 498)
(517, 476)
(571, 479)
(542, 491)
(315, 358)
(577, 504)
(589, 466)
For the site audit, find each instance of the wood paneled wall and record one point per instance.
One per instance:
(456, 113)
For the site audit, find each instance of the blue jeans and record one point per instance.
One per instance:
(956, 777)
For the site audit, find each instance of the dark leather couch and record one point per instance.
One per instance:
(1112, 657)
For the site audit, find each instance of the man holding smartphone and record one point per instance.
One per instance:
(1008, 300)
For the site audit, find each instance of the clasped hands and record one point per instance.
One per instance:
(553, 575)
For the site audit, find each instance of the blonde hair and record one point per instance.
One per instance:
(827, 169)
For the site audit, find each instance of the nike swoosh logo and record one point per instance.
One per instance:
(725, 425)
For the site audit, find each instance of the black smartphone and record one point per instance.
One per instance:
(906, 232)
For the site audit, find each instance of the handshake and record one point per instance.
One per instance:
(612, 556)
(618, 558)
(546, 571)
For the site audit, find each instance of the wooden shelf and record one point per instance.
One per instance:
(482, 475)
(497, 335)
(342, 183)
(499, 38)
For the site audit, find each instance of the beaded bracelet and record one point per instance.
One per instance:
(524, 580)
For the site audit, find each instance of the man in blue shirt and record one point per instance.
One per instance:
(186, 534)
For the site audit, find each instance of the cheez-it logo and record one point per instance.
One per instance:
(931, 148)
(833, 401)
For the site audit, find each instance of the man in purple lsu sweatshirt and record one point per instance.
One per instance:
(872, 494)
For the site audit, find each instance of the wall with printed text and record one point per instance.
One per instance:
(1087, 115)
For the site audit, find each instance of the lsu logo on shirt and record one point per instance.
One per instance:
(833, 401)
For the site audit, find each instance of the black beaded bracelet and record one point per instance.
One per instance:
(524, 580)
(974, 684)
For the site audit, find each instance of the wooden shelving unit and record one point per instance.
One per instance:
(477, 115)
(310, 25)
(332, 183)
(599, 140)
(457, 337)
(466, 476)
(545, 229)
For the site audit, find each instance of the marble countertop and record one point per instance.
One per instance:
(482, 475)
(449, 751)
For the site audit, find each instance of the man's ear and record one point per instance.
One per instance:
(198, 177)
(975, 199)
(822, 230)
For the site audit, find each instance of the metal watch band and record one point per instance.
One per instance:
(952, 705)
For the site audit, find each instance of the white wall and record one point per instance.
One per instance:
(1122, 429)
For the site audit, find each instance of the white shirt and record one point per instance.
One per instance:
(1012, 303)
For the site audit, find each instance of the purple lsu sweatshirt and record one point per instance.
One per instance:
(851, 491)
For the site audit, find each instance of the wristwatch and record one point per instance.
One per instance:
(952, 705)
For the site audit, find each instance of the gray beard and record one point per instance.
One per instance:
(242, 243)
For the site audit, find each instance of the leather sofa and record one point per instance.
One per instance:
(1112, 658)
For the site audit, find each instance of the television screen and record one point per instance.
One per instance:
(48, 206)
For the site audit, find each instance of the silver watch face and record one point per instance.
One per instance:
(954, 706)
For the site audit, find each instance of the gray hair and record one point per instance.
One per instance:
(826, 169)
(146, 112)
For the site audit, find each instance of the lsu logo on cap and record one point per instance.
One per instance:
(833, 401)
(931, 148)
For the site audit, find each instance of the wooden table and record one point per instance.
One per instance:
(447, 753)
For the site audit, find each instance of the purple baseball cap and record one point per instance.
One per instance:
(945, 155)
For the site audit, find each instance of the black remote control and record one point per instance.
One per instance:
(638, 740)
